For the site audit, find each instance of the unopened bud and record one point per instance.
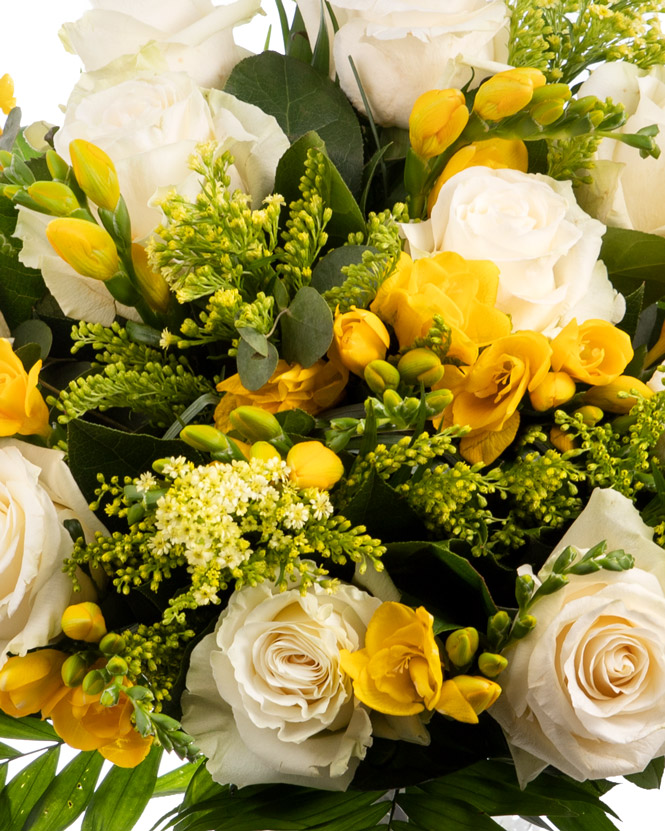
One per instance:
(94, 682)
(437, 120)
(619, 396)
(464, 697)
(152, 285)
(461, 646)
(313, 465)
(498, 627)
(54, 197)
(561, 440)
(110, 696)
(437, 401)
(491, 664)
(590, 415)
(74, 670)
(264, 450)
(5, 158)
(95, 173)
(420, 366)
(523, 626)
(117, 666)
(507, 93)
(112, 644)
(255, 424)
(555, 389)
(57, 166)
(204, 437)
(87, 248)
(381, 376)
(84, 622)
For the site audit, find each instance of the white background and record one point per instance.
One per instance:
(44, 73)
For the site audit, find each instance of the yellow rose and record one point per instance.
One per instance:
(494, 153)
(30, 683)
(462, 291)
(22, 408)
(493, 387)
(359, 337)
(313, 389)
(399, 670)
(595, 352)
(436, 121)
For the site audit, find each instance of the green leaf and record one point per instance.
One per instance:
(7, 752)
(321, 53)
(95, 449)
(68, 794)
(10, 129)
(34, 332)
(296, 422)
(254, 368)
(29, 355)
(382, 511)
(20, 289)
(633, 257)
(302, 100)
(347, 217)
(121, 798)
(20, 796)
(29, 728)
(433, 815)
(650, 778)
(257, 340)
(327, 272)
(307, 328)
(176, 781)
(297, 44)
(634, 304)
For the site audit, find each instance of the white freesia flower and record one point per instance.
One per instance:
(37, 494)
(196, 37)
(267, 701)
(584, 690)
(626, 188)
(403, 48)
(544, 244)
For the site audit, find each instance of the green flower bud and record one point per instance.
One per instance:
(204, 437)
(590, 415)
(110, 696)
(491, 664)
(498, 627)
(54, 197)
(523, 626)
(74, 670)
(437, 401)
(524, 589)
(547, 112)
(392, 401)
(117, 666)
(112, 644)
(420, 366)
(94, 682)
(461, 646)
(57, 166)
(381, 376)
(255, 424)
(5, 158)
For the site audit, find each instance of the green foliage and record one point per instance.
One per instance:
(572, 158)
(20, 287)
(633, 258)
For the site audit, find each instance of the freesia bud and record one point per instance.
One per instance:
(590, 415)
(204, 437)
(7, 100)
(381, 376)
(491, 664)
(313, 465)
(255, 424)
(5, 158)
(617, 396)
(54, 197)
(359, 337)
(507, 93)
(57, 166)
(28, 683)
(437, 120)
(87, 248)
(464, 697)
(74, 670)
(461, 646)
(420, 366)
(94, 682)
(555, 389)
(95, 173)
(152, 285)
(498, 627)
(84, 622)
(561, 440)
(523, 625)
(264, 450)
(437, 401)
(112, 644)
(117, 666)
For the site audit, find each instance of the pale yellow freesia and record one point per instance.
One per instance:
(437, 119)
(95, 172)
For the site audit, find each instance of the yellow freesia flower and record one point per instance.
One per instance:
(436, 121)
(507, 92)
(555, 389)
(313, 465)
(31, 683)
(616, 397)
(359, 337)
(95, 172)
(22, 408)
(85, 246)
(595, 352)
(84, 622)
(399, 670)
(7, 100)
(464, 697)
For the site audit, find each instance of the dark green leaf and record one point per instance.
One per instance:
(347, 217)
(651, 776)
(321, 53)
(176, 781)
(297, 45)
(255, 369)
(68, 794)
(29, 728)
(302, 100)
(25, 789)
(588, 819)
(634, 303)
(257, 340)
(29, 355)
(121, 798)
(95, 449)
(327, 273)
(20, 289)
(382, 511)
(307, 328)
(633, 257)
(434, 815)
(34, 332)
(296, 422)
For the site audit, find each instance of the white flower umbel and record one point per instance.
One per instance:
(37, 494)
(402, 48)
(196, 37)
(584, 690)
(544, 244)
(266, 699)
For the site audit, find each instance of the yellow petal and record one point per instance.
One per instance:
(488, 445)
(452, 703)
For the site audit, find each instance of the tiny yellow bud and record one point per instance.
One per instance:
(380, 376)
(590, 415)
(461, 646)
(507, 93)
(491, 664)
(555, 389)
(87, 247)
(617, 396)
(255, 423)
(420, 365)
(112, 644)
(54, 197)
(437, 120)
(95, 173)
(264, 450)
(84, 622)
(313, 465)
(74, 670)
(152, 285)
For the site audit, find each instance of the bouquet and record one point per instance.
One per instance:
(333, 420)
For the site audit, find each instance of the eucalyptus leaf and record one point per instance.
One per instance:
(34, 332)
(257, 340)
(327, 273)
(302, 100)
(254, 368)
(29, 355)
(307, 328)
(10, 129)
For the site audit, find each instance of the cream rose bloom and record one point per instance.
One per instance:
(403, 48)
(626, 188)
(584, 690)
(544, 244)
(37, 494)
(267, 700)
(196, 37)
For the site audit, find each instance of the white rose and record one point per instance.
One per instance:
(149, 123)
(544, 244)
(196, 37)
(403, 48)
(37, 494)
(584, 690)
(626, 188)
(267, 701)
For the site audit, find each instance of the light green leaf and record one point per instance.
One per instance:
(254, 368)
(7, 752)
(29, 728)
(257, 340)
(302, 100)
(25, 789)
(176, 781)
(307, 328)
(121, 798)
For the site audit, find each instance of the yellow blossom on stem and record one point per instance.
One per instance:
(95, 172)
(617, 397)
(594, 352)
(555, 389)
(464, 697)
(507, 92)
(30, 683)
(7, 100)
(436, 121)
(84, 622)
(87, 247)
(313, 465)
(359, 337)
(22, 407)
